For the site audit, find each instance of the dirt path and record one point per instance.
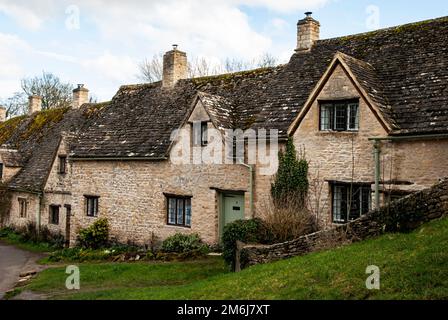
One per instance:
(13, 263)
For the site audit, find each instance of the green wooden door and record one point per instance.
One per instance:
(232, 209)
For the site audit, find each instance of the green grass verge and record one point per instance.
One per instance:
(413, 266)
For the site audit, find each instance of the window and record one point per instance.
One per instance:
(343, 211)
(339, 116)
(200, 134)
(23, 207)
(62, 164)
(1, 171)
(179, 211)
(54, 214)
(91, 206)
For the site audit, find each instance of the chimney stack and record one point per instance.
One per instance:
(2, 114)
(80, 96)
(175, 67)
(308, 32)
(35, 104)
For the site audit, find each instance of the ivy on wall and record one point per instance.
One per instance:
(291, 179)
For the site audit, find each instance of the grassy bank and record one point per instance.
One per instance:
(413, 266)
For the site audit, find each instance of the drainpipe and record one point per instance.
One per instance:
(251, 187)
(38, 214)
(377, 153)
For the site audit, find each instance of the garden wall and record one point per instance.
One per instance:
(400, 216)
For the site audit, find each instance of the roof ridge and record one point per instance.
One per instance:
(382, 30)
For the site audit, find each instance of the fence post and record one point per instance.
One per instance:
(239, 247)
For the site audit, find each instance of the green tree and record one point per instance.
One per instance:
(291, 180)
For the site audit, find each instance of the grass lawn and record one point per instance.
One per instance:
(413, 266)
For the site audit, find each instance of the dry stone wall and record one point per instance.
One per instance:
(403, 215)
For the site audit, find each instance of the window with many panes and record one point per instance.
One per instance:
(62, 164)
(200, 133)
(350, 202)
(23, 207)
(339, 116)
(179, 211)
(54, 214)
(91, 206)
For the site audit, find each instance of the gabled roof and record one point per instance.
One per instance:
(365, 79)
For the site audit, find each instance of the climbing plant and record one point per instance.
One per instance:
(291, 180)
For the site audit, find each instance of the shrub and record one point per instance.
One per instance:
(28, 234)
(289, 221)
(181, 243)
(247, 231)
(96, 236)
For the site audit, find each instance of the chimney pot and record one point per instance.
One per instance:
(80, 96)
(308, 32)
(175, 67)
(35, 104)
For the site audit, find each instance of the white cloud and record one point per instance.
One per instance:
(109, 66)
(284, 5)
(115, 35)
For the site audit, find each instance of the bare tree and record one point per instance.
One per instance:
(54, 93)
(16, 104)
(266, 61)
(151, 70)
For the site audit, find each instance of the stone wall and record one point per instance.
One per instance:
(403, 215)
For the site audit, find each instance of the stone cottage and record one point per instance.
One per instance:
(370, 111)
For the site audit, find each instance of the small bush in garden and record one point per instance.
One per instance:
(247, 231)
(96, 236)
(28, 234)
(180, 243)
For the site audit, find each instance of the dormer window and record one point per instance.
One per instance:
(62, 169)
(339, 116)
(200, 134)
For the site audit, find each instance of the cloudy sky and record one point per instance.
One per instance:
(100, 42)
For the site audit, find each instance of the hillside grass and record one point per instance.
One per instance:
(412, 266)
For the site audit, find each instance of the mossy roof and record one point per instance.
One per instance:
(35, 138)
(405, 70)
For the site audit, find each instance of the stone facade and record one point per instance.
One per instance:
(348, 156)
(403, 215)
(132, 196)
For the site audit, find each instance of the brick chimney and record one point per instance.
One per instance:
(80, 96)
(34, 104)
(2, 114)
(175, 67)
(308, 31)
